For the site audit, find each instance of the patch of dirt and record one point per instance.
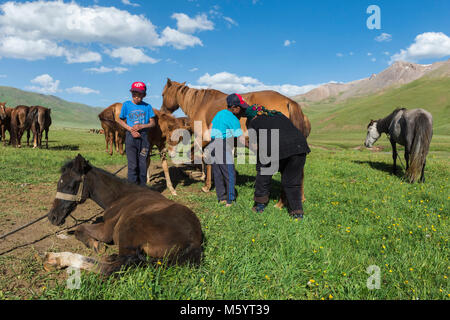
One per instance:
(373, 149)
(21, 271)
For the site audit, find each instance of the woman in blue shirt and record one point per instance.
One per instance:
(225, 127)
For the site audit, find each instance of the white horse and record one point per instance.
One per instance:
(412, 129)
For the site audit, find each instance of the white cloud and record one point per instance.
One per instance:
(185, 24)
(351, 53)
(384, 37)
(127, 2)
(340, 55)
(36, 30)
(103, 69)
(229, 83)
(428, 45)
(373, 59)
(386, 53)
(81, 90)
(179, 40)
(3, 76)
(287, 43)
(44, 84)
(369, 54)
(230, 21)
(18, 48)
(60, 21)
(130, 56)
(193, 69)
(82, 57)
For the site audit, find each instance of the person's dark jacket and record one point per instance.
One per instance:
(291, 140)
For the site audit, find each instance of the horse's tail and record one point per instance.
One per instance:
(423, 131)
(32, 116)
(297, 117)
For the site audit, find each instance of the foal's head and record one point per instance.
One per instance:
(372, 134)
(71, 190)
(169, 94)
(174, 130)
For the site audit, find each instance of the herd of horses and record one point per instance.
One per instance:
(145, 225)
(21, 119)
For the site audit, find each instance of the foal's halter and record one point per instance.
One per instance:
(72, 197)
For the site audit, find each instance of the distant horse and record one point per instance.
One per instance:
(203, 104)
(5, 121)
(412, 129)
(39, 120)
(18, 125)
(114, 133)
(141, 222)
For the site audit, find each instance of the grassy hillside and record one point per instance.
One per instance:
(64, 113)
(353, 115)
(332, 122)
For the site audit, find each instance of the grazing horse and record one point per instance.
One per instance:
(5, 121)
(39, 120)
(203, 104)
(412, 129)
(18, 125)
(141, 222)
(114, 133)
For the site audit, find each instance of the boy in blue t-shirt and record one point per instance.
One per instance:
(225, 127)
(139, 119)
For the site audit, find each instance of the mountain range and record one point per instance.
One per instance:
(398, 74)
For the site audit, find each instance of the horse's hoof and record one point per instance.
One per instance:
(279, 205)
(205, 189)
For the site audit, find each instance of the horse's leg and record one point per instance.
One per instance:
(28, 138)
(91, 235)
(167, 174)
(148, 165)
(4, 136)
(422, 177)
(67, 259)
(394, 155)
(207, 187)
(46, 137)
(407, 158)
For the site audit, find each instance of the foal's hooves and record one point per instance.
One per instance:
(205, 189)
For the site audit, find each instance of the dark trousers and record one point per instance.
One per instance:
(223, 170)
(137, 154)
(291, 177)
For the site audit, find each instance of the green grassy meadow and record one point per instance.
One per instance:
(357, 215)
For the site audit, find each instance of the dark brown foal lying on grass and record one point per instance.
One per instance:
(144, 224)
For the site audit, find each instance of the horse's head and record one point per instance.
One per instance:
(169, 94)
(174, 129)
(71, 190)
(372, 134)
(2, 110)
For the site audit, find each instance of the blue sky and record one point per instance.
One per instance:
(91, 51)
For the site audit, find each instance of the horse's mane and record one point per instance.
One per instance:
(383, 124)
(193, 96)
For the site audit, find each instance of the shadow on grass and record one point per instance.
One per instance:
(68, 147)
(382, 166)
(178, 175)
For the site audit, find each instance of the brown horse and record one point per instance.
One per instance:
(5, 121)
(203, 104)
(161, 137)
(18, 125)
(141, 222)
(114, 133)
(39, 120)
